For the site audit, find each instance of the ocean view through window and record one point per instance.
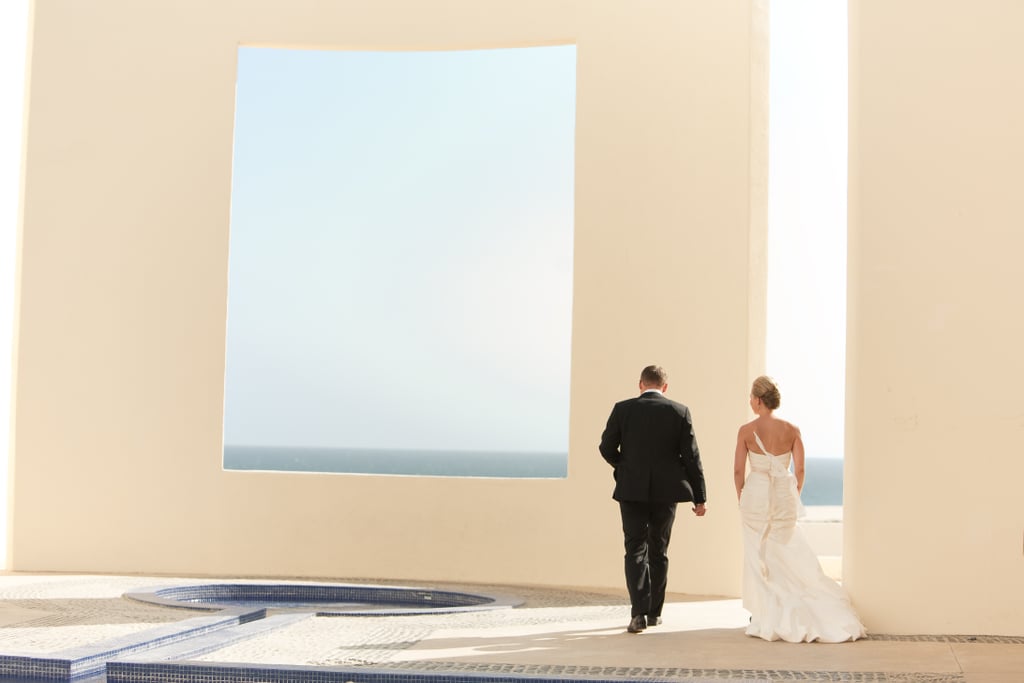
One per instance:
(400, 269)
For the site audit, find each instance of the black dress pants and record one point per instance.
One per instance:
(647, 528)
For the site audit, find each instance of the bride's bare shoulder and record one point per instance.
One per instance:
(746, 432)
(790, 428)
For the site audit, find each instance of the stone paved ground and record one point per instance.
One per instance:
(555, 632)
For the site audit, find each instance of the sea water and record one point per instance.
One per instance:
(823, 483)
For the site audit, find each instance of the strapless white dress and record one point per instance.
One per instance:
(788, 595)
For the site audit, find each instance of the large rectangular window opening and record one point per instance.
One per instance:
(400, 276)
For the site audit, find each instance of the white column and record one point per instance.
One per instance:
(935, 418)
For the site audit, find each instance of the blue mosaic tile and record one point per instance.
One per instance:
(229, 673)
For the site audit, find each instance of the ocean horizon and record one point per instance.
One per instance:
(823, 482)
(410, 462)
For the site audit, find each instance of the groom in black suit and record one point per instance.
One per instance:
(650, 442)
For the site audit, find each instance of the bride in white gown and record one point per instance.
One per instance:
(788, 595)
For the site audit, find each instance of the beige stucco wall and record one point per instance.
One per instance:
(934, 519)
(123, 275)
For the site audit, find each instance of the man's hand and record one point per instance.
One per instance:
(700, 509)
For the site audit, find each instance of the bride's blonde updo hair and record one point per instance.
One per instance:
(767, 390)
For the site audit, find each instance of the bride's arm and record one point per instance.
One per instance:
(739, 463)
(798, 461)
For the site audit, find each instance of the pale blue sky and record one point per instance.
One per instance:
(401, 249)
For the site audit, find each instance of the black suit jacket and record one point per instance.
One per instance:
(650, 442)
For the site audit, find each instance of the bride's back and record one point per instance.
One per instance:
(778, 436)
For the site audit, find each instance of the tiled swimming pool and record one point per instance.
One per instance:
(324, 599)
(234, 612)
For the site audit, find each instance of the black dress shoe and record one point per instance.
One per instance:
(637, 624)
(653, 621)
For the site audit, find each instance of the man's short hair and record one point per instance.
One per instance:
(654, 376)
